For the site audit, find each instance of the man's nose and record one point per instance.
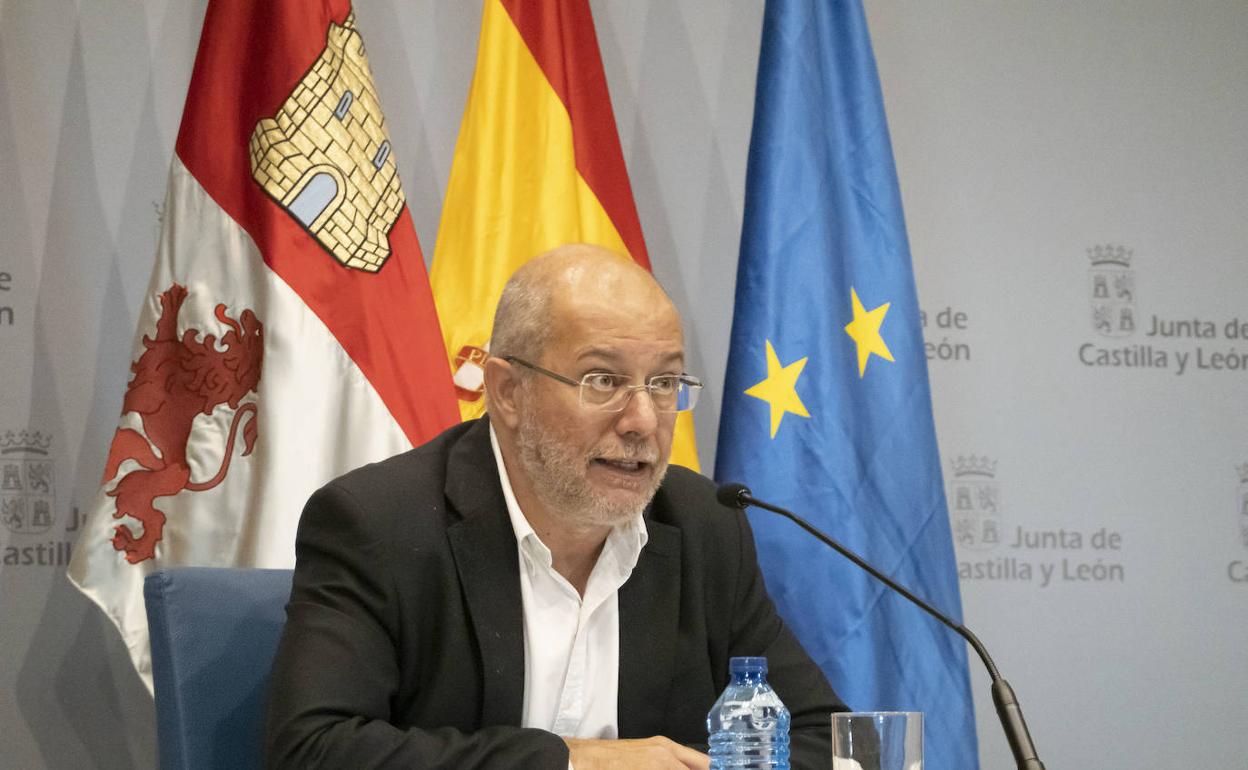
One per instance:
(639, 416)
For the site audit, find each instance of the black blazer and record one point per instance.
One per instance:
(404, 643)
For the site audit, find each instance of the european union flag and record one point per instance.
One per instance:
(827, 409)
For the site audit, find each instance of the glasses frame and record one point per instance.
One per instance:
(692, 383)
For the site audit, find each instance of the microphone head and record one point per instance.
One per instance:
(733, 495)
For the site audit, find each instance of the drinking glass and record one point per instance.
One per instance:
(877, 740)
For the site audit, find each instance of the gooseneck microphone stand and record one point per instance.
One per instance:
(1008, 709)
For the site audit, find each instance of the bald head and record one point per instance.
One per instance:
(572, 288)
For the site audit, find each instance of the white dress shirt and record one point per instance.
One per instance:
(571, 643)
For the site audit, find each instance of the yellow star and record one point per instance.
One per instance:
(779, 390)
(865, 330)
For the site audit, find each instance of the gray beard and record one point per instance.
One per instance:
(558, 476)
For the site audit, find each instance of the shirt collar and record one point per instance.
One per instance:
(625, 540)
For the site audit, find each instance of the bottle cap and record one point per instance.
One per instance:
(751, 665)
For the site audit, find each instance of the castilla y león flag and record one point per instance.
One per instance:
(538, 164)
(289, 333)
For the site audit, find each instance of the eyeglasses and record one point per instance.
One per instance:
(607, 392)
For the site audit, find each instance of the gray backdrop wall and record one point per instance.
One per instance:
(1075, 176)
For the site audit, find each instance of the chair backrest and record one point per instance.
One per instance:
(214, 633)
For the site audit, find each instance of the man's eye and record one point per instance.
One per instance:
(604, 383)
(663, 386)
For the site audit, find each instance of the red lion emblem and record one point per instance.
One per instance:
(175, 380)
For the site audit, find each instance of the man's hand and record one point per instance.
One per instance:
(642, 754)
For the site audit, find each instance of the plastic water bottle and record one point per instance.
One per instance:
(748, 725)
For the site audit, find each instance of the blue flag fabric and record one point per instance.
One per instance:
(827, 409)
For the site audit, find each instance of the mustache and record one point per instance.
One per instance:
(627, 453)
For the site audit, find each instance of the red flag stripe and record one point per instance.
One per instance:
(561, 36)
(385, 321)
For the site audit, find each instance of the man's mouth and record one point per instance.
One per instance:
(632, 467)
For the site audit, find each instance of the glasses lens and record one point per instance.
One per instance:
(687, 396)
(601, 391)
(673, 394)
(663, 392)
(611, 393)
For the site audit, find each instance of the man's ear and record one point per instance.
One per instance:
(502, 382)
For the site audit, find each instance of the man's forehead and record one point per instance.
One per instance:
(625, 314)
(619, 334)
(630, 300)
(651, 307)
(607, 286)
(622, 351)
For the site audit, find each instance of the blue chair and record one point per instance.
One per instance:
(214, 633)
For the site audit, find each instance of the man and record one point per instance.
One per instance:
(536, 589)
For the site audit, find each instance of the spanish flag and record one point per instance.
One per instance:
(538, 164)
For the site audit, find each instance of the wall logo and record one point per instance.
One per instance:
(1237, 569)
(1042, 557)
(975, 503)
(1178, 344)
(1111, 287)
(1242, 504)
(27, 487)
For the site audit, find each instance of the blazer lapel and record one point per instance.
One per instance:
(649, 612)
(484, 548)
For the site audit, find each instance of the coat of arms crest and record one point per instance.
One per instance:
(975, 503)
(1111, 285)
(27, 489)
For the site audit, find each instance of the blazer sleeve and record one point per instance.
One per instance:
(337, 671)
(757, 629)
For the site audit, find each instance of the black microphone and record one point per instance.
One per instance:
(1008, 709)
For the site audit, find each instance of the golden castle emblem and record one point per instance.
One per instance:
(325, 156)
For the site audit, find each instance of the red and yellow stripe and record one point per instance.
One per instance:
(538, 164)
(385, 321)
